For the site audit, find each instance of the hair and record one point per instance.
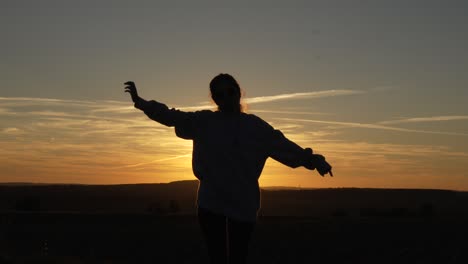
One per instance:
(226, 93)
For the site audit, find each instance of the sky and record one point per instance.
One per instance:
(378, 87)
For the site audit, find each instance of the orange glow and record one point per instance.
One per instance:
(118, 144)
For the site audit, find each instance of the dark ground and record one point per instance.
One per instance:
(156, 224)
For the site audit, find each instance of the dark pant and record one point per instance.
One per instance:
(227, 240)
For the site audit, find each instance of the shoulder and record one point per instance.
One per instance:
(256, 121)
(253, 118)
(201, 113)
(204, 114)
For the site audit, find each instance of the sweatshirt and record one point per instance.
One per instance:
(229, 153)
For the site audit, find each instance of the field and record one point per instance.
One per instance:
(156, 223)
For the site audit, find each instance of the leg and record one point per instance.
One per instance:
(239, 234)
(213, 227)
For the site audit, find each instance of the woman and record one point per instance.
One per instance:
(230, 148)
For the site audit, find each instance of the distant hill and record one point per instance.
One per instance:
(180, 198)
(134, 198)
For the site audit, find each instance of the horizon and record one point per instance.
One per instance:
(378, 88)
(268, 188)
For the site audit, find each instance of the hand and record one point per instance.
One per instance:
(322, 166)
(315, 161)
(131, 88)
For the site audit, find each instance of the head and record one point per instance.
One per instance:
(226, 93)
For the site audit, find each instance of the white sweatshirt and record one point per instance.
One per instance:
(229, 153)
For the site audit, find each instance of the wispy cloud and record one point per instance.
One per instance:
(196, 108)
(21, 101)
(287, 112)
(154, 161)
(279, 97)
(110, 141)
(392, 149)
(427, 119)
(12, 131)
(120, 107)
(295, 96)
(373, 126)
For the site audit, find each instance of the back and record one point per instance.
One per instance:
(229, 154)
(231, 142)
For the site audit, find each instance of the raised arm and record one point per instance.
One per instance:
(162, 114)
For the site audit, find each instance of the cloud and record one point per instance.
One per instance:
(20, 101)
(374, 126)
(197, 108)
(124, 109)
(12, 131)
(426, 119)
(391, 149)
(295, 96)
(120, 107)
(7, 104)
(280, 97)
(155, 161)
(287, 112)
(50, 113)
(110, 141)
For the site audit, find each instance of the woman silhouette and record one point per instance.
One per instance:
(230, 148)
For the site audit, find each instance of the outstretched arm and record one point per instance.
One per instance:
(162, 114)
(292, 155)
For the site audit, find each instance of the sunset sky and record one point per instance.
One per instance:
(378, 87)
